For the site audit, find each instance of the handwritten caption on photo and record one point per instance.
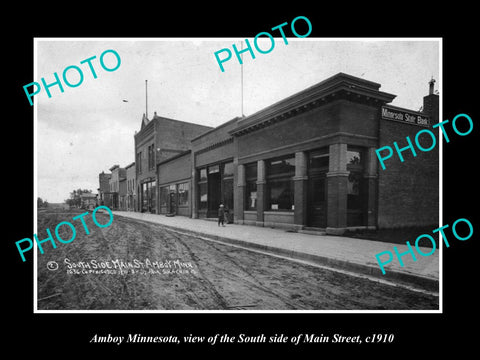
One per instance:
(124, 267)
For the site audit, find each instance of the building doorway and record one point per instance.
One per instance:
(317, 207)
(172, 199)
(147, 197)
(318, 163)
(214, 182)
(356, 192)
(216, 187)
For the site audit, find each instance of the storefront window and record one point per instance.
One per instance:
(251, 192)
(202, 174)
(319, 160)
(355, 167)
(183, 194)
(280, 174)
(228, 169)
(355, 186)
(202, 190)
(213, 169)
(281, 166)
(145, 197)
(354, 156)
(163, 196)
(354, 193)
(251, 186)
(281, 194)
(153, 194)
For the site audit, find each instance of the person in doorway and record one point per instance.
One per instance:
(221, 215)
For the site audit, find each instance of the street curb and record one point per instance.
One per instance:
(423, 282)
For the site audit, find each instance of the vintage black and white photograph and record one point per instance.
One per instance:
(216, 174)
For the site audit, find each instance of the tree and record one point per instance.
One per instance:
(75, 199)
(41, 203)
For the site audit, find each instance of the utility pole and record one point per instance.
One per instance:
(146, 100)
(241, 81)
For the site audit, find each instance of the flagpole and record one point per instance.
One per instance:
(146, 100)
(241, 69)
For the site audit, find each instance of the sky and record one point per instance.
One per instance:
(89, 128)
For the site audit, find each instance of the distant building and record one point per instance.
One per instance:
(104, 197)
(131, 187)
(158, 139)
(118, 175)
(122, 194)
(88, 201)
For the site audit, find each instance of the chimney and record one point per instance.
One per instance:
(431, 103)
(431, 83)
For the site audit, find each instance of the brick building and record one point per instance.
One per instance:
(174, 183)
(104, 188)
(309, 161)
(131, 198)
(214, 160)
(158, 139)
(409, 190)
(122, 193)
(117, 186)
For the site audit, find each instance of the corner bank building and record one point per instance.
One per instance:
(309, 161)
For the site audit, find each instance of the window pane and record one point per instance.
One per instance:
(228, 194)
(281, 194)
(213, 169)
(319, 160)
(202, 191)
(251, 171)
(183, 194)
(353, 191)
(228, 169)
(354, 157)
(163, 201)
(251, 196)
(152, 196)
(281, 166)
(202, 175)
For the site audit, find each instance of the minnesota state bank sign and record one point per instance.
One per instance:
(411, 117)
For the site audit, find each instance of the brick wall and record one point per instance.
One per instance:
(340, 116)
(408, 191)
(173, 137)
(174, 170)
(104, 180)
(314, 123)
(170, 137)
(131, 176)
(220, 153)
(141, 164)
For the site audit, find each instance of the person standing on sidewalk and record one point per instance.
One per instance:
(221, 215)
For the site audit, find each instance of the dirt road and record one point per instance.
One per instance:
(136, 265)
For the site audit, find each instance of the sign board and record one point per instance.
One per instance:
(389, 113)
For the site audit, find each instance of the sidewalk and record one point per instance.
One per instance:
(349, 254)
